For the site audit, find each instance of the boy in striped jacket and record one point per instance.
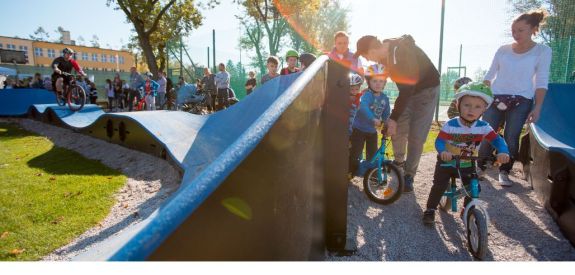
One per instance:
(462, 136)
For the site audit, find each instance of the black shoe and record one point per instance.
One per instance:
(429, 217)
(408, 184)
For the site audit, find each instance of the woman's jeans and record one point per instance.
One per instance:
(514, 119)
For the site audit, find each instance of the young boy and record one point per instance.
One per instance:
(272, 65)
(291, 59)
(462, 136)
(373, 111)
(452, 111)
(355, 93)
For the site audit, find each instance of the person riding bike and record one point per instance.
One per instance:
(64, 64)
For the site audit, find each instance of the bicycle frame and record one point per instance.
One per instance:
(379, 159)
(454, 192)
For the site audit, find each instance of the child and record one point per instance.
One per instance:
(373, 111)
(305, 60)
(452, 111)
(272, 66)
(462, 135)
(150, 88)
(251, 82)
(355, 82)
(291, 59)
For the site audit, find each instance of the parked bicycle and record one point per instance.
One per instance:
(383, 181)
(197, 104)
(475, 216)
(73, 95)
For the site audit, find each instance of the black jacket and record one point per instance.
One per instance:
(410, 69)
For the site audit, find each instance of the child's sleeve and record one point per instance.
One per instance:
(442, 138)
(497, 141)
(365, 102)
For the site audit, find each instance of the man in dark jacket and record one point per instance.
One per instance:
(418, 82)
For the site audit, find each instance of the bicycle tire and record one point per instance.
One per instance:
(476, 233)
(383, 193)
(60, 100)
(76, 98)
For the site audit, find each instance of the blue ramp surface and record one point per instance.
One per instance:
(15, 102)
(258, 166)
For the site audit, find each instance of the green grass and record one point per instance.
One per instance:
(48, 195)
(429, 145)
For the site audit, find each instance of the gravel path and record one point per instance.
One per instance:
(520, 228)
(150, 181)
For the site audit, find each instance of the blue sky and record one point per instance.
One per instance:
(481, 26)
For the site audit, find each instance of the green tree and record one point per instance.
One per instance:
(95, 42)
(558, 33)
(238, 78)
(40, 35)
(156, 22)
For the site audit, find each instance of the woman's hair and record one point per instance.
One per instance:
(534, 18)
(274, 60)
(340, 34)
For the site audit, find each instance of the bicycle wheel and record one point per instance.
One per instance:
(477, 233)
(385, 192)
(60, 98)
(76, 98)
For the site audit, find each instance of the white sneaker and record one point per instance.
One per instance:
(504, 179)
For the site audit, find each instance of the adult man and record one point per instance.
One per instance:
(418, 82)
(222, 84)
(136, 81)
(341, 53)
(64, 64)
(162, 81)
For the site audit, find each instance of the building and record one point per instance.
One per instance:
(41, 54)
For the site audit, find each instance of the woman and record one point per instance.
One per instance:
(208, 84)
(518, 75)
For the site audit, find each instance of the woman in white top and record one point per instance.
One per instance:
(518, 74)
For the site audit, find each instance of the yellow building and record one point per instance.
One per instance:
(42, 54)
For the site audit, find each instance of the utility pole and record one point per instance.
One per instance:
(460, 51)
(214, 49)
(440, 57)
(208, 66)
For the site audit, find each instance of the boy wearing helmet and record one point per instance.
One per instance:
(452, 111)
(355, 81)
(373, 110)
(291, 59)
(150, 88)
(64, 64)
(462, 136)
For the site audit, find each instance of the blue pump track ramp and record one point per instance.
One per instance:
(550, 163)
(255, 175)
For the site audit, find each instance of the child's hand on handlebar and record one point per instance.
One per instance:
(446, 156)
(377, 122)
(503, 158)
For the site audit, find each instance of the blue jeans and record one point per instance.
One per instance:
(514, 119)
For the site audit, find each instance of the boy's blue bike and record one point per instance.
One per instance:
(475, 217)
(382, 180)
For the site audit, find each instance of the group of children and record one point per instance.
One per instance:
(461, 135)
(292, 57)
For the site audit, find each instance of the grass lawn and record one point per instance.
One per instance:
(48, 195)
(429, 145)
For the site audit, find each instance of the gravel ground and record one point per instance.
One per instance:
(150, 181)
(520, 228)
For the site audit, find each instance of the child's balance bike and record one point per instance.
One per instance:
(475, 217)
(382, 180)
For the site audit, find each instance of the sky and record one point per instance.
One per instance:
(480, 26)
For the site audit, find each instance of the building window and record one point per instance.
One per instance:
(23, 48)
(112, 59)
(121, 59)
(51, 53)
(38, 52)
(104, 58)
(11, 46)
(1, 46)
(95, 57)
(84, 56)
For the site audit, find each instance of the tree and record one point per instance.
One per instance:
(237, 78)
(60, 31)
(558, 33)
(95, 41)
(156, 22)
(81, 41)
(40, 35)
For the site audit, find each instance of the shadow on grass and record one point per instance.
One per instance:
(60, 161)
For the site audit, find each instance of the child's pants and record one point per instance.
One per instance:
(358, 139)
(150, 102)
(441, 180)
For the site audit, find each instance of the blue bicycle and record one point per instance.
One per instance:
(475, 217)
(382, 181)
